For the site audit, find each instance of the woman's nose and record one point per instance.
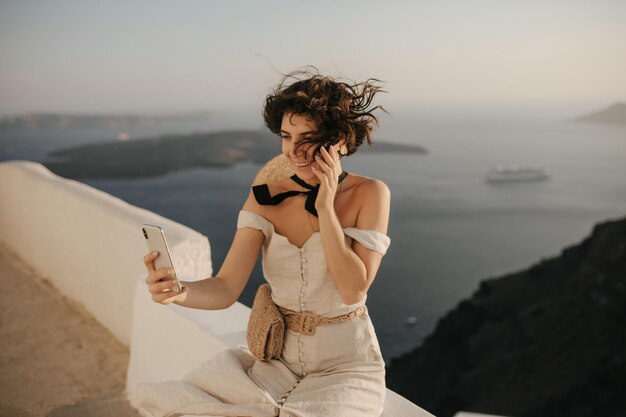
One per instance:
(297, 151)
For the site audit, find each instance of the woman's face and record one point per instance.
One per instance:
(294, 128)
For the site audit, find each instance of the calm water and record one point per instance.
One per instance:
(449, 228)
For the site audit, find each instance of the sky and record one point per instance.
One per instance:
(154, 56)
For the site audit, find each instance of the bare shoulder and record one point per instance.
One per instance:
(367, 187)
(373, 197)
(251, 204)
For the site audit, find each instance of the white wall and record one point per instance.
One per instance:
(86, 242)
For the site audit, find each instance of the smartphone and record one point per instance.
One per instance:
(155, 239)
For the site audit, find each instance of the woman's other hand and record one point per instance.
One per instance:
(328, 173)
(161, 281)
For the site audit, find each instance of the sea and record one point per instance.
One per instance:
(449, 228)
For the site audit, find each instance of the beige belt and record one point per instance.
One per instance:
(306, 322)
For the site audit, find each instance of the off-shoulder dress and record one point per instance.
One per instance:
(338, 371)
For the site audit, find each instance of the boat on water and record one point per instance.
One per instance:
(411, 320)
(516, 173)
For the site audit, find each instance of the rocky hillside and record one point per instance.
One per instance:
(548, 341)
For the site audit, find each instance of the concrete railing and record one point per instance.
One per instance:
(86, 242)
(89, 245)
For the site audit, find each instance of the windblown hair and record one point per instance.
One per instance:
(340, 110)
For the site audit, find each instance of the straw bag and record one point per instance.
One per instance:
(266, 326)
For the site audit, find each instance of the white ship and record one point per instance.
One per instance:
(516, 173)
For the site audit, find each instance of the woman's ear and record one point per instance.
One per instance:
(342, 148)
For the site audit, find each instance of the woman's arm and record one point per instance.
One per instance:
(213, 293)
(224, 289)
(354, 269)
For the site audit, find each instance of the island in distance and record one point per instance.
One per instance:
(614, 114)
(164, 154)
(47, 122)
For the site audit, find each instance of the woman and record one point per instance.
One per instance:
(323, 235)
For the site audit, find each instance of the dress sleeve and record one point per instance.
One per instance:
(253, 221)
(371, 239)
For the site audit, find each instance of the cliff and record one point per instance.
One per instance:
(157, 156)
(547, 341)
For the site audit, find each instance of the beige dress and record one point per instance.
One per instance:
(338, 371)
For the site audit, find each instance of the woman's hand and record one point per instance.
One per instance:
(162, 290)
(328, 173)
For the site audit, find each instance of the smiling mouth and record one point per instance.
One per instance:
(303, 164)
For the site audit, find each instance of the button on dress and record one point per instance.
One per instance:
(338, 371)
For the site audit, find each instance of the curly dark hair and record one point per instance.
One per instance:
(340, 110)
